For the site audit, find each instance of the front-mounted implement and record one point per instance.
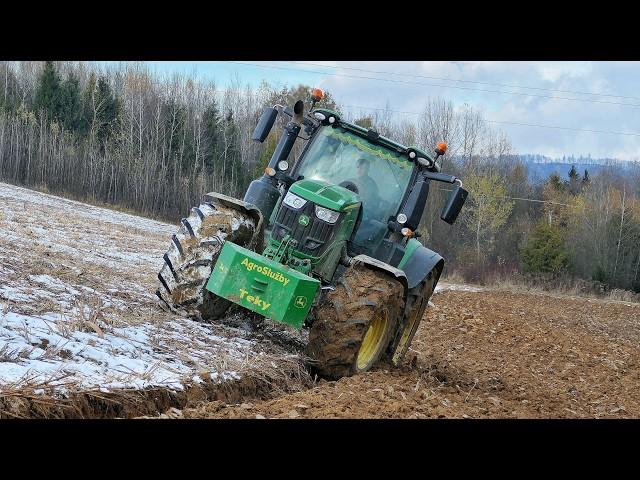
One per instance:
(263, 285)
(326, 241)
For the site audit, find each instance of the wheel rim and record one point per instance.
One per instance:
(373, 342)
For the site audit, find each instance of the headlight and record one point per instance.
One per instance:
(293, 200)
(283, 165)
(329, 216)
(401, 218)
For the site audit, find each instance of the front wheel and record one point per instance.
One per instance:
(355, 323)
(192, 254)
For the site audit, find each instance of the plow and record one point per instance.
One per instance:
(327, 241)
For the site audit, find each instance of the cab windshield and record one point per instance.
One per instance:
(380, 175)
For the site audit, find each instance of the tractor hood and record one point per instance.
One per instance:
(325, 194)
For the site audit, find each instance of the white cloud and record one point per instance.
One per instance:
(596, 77)
(408, 91)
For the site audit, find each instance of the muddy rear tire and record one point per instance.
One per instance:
(193, 252)
(355, 323)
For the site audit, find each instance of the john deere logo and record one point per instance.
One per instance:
(303, 220)
(301, 302)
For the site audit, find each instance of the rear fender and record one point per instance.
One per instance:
(244, 207)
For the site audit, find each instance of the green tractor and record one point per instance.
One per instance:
(326, 242)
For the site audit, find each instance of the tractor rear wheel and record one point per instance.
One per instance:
(354, 324)
(193, 253)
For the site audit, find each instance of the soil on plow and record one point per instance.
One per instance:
(490, 354)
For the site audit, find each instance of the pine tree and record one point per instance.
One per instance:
(47, 98)
(574, 183)
(545, 251)
(108, 112)
(9, 97)
(212, 141)
(556, 182)
(70, 104)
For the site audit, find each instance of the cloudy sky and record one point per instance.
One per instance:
(600, 96)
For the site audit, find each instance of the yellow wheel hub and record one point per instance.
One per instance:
(373, 342)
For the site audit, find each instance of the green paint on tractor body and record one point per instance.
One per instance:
(410, 248)
(278, 284)
(333, 197)
(264, 286)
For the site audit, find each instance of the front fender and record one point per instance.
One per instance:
(418, 261)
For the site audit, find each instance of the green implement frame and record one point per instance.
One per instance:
(269, 288)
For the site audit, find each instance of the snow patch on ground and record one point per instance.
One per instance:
(77, 307)
(444, 286)
(39, 349)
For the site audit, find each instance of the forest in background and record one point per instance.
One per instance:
(150, 144)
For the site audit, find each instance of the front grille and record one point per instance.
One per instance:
(314, 238)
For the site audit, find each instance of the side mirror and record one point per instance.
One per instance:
(265, 123)
(454, 204)
(415, 204)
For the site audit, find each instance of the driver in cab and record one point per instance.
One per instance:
(371, 230)
(367, 187)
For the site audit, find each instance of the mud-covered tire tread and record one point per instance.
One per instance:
(167, 260)
(188, 226)
(334, 340)
(164, 283)
(417, 298)
(178, 245)
(192, 255)
(198, 212)
(163, 303)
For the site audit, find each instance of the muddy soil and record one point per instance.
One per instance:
(492, 354)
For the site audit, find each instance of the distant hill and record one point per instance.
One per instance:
(540, 166)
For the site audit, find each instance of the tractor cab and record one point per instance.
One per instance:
(379, 177)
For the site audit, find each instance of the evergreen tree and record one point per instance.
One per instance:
(70, 104)
(212, 141)
(108, 111)
(545, 251)
(101, 110)
(573, 173)
(556, 182)
(9, 97)
(574, 183)
(48, 93)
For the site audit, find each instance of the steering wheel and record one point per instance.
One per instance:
(350, 186)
